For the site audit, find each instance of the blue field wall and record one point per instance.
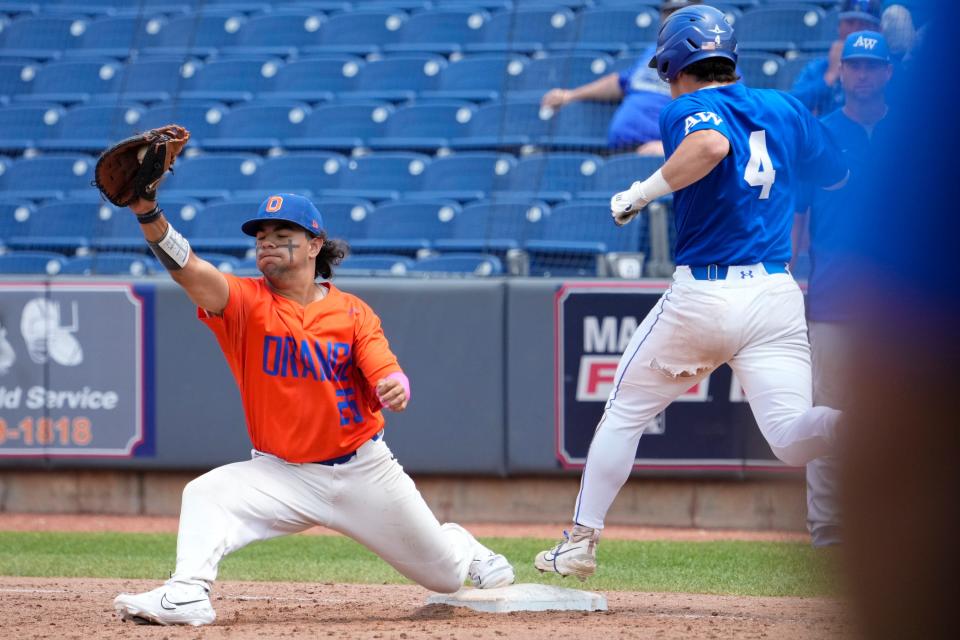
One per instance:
(509, 377)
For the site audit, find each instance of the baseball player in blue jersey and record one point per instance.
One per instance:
(735, 157)
(865, 71)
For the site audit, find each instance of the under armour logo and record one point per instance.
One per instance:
(746, 274)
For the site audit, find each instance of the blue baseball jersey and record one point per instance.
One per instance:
(637, 119)
(828, 293)
(742, 211)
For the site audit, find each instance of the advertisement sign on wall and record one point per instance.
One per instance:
(710, 427)
(76, 370)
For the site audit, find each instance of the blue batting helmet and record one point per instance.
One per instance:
(692, 34)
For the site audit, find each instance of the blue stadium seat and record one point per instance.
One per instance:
(406, 227)
(116, 36)
(396, 78)
(212, 175)
(94, 128)
(12, 77)
(202, 119)
(526, 30)
(425, 127)
(558, 70)
(232, 79)
(13, 219)
(59, 226)
(47, 177)
(147, 80)
(24, 126)
(505, 126)
(359, 32)
(495, 226)
(466, 264)
(575, 237)
(259, 127)
(217, 227)
(440, 31)
(315, 79)
(782, 28)
(281, 30)
(343, 126)
(32, 263)
(39, 37)
(302, 172)
(580, 125)
(381, 176)
(110, 264)
(72, 81)
(118, 229)
(619, 172)
(476, 77)
(763, 70)
(614, 29)
(465, 176)
(345, 217)
(553, 177)
(224, 262)
(375, 264)
(199, 34)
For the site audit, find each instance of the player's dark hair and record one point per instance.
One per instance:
(713, 70)
(331, 255)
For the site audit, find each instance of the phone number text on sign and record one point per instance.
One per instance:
(46, 430)
(76, 369)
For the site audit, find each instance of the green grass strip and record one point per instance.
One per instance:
(728, 567)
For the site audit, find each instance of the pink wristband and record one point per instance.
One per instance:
(400, 377)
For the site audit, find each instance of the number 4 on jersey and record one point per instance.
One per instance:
(760, 171)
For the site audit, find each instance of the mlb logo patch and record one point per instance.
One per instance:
(313, 223)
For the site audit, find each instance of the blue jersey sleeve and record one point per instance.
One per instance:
(820, 160)
(685, 115)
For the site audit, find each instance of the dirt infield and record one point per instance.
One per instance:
(80, 608)
(77, 608)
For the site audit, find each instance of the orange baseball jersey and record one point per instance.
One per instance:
(307, 375)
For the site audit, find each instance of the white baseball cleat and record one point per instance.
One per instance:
(491, 571)
(173, 603)
(576, 554)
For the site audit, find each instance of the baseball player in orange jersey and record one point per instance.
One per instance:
(314, 371)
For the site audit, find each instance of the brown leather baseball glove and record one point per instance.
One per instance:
(132, 168)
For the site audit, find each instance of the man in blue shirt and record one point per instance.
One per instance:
(818, 85)
(641, 93)
(865, 71)
(736, 157)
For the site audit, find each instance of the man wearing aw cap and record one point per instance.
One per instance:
(865, 71)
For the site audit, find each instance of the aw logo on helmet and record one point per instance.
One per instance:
(865, 43)
(274, 203)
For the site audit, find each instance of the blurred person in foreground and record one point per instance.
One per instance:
(899, 464)
(818, 85)
(865, 70)
(640, 92)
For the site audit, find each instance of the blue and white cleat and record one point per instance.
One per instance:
(576, 555)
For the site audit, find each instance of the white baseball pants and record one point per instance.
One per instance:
(370, 499)
(830, 345)
(755, 323)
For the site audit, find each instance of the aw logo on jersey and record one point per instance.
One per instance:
(865, 43)
(700, 118)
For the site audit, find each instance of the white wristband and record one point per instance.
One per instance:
(654, 187)
(172, 250)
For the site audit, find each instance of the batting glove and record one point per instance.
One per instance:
(625, 205)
